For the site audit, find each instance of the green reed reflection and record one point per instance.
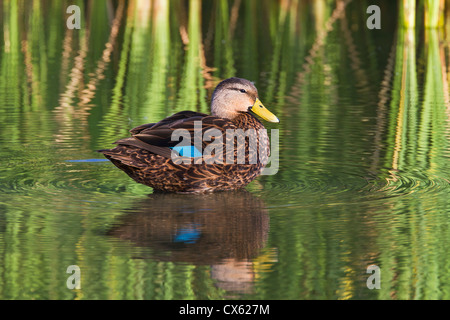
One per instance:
(364, 133)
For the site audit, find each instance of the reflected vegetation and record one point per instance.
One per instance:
(364, 173)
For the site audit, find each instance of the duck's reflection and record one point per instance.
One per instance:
(226, 230)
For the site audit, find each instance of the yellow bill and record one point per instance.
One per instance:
(259, 109)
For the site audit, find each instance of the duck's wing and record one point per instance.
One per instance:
(184, 127)
(175, 117)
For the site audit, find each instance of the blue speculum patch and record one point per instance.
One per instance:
(187, 151)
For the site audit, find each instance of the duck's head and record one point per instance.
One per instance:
(234, 96)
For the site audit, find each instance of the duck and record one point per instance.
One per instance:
(193, 152)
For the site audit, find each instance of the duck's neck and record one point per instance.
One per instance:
(247, 121)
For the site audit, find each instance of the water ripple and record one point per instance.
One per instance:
(315, 182)
(85, 175)
(325, 186)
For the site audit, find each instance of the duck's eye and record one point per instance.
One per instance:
(242, 90)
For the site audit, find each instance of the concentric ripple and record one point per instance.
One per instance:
(327, 184)
(318, 183)
(85, 175)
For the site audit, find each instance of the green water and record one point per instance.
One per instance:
(364, 170)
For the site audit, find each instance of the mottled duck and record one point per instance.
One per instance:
(192, 152)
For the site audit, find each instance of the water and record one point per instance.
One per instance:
(364, 175)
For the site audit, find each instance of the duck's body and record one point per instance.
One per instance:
(151, 157)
